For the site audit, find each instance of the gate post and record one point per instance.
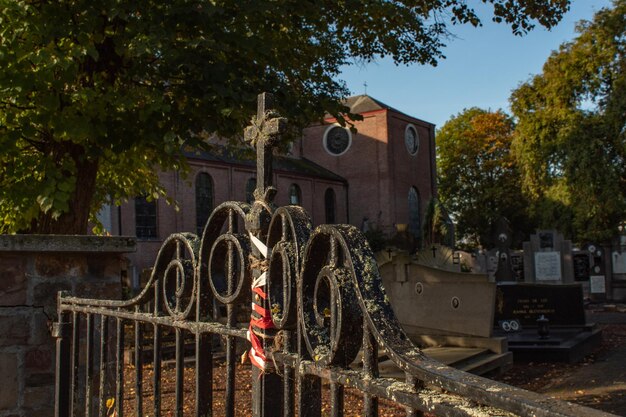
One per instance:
(62, 332)
(267, 393)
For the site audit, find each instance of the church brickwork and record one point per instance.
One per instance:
(370, 180)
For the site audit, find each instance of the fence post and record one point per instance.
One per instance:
(264, 134)
(62, 332)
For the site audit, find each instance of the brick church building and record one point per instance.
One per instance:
(379, 177)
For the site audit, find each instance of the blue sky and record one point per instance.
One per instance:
(482, 66)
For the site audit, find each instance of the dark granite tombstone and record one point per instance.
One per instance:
(517, 265)
(561, 304)
(581, 267)
(546, 239)
(521, 307)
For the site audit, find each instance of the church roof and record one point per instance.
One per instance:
(305, 166)
(286, 164)
(363, 103)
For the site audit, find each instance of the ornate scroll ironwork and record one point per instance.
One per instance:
(327, 303)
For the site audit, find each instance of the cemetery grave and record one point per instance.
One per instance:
(470, 322)
(519, 309)
(543, 318)
(446, 312)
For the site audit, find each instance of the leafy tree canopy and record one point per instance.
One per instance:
(94, 95)
(478, 179)
(438, 227)
(571, 135)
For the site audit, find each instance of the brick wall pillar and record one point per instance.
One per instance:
(33, 268)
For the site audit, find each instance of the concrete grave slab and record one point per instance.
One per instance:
(432, 301)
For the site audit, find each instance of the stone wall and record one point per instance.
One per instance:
(32, 271)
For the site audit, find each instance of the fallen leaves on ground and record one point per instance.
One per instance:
(533, 376)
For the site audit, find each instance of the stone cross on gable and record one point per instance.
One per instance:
(264, 134)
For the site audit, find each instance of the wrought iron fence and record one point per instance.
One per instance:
(316, 303)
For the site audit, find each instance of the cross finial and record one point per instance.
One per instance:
(266, 126)
(365, 87)
(263, 134)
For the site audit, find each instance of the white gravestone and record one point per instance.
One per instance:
(548, 266)
(597, 284)
(619, 262)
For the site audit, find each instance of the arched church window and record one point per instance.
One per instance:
(329, 205)
(204, 200)
(414, 212)
(295, 195)
(250, 186)
(145, 218)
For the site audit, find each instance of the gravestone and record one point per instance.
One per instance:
(522, 308)
(561, 304)
(617, 285)
(491, 261)
(502, 263)
(550, 294)
(431, 300)
(597, 271)
(548, 258)
(502, 238)
(517, 265)
(441, 308)
(618, 261)
(582, 266)
(469, 262)
(477, 261)
(618, 254)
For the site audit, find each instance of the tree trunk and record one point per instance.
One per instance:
(76, 220)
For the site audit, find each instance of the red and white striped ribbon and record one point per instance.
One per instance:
(257, 353)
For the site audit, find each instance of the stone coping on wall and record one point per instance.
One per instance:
(67, 243)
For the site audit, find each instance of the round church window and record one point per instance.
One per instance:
(337, 140)
(411, 139)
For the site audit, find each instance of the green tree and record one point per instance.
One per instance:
(478, 178)
(570, 140)
(95, 95)
(438, 227)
